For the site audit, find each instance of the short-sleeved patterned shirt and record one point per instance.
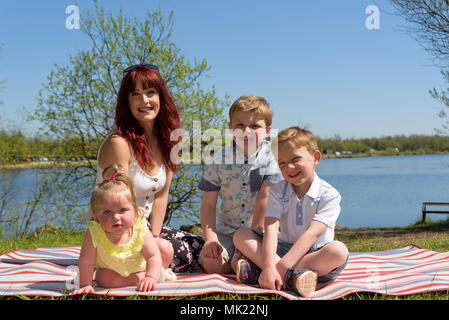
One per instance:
(237, 181)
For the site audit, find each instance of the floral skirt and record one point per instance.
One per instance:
(187, 248)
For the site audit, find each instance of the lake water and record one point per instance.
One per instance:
(376, 191)
(387, 191)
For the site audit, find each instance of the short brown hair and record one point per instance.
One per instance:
(253, 103)
(299, 137)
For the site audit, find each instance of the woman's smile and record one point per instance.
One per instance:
(144, 103)
(145, 109)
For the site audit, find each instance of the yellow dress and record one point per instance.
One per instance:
(124, 259)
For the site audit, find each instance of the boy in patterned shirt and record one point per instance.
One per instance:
(241, 176)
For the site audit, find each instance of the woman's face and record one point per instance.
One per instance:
(144, 104)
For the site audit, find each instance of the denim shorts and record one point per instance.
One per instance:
(283, 247)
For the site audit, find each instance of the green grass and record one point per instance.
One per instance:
(430, 235)
(52, 238)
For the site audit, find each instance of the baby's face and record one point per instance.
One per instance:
(248, 130)
(115, 213)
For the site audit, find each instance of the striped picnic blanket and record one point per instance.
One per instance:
(402, 271)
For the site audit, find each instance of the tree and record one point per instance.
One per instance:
(429, 25)
(2, 84)
(429, 21)
(77, 102)
(443, 97)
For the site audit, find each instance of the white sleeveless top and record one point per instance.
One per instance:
(145, 186)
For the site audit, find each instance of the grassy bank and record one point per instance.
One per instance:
(430, 235)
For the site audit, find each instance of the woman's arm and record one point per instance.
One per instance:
(160, 206)
(114, 151)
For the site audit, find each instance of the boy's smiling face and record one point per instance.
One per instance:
(248, 130)
(297, 164)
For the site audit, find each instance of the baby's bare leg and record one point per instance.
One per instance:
(107, 278)
(167, 252)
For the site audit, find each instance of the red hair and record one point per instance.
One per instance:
(167, 120)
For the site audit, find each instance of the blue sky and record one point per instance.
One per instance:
(314, 61)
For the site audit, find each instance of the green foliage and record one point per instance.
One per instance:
(15, 145)
(443, 97)
(76, 104)
(413, 144)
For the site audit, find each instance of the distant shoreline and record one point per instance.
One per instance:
(48, 164)
(87, 163)
(377, 154)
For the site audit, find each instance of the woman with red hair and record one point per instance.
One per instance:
(145, 116)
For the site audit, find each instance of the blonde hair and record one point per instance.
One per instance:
(253, 103)
(118, 182)
(299, 137)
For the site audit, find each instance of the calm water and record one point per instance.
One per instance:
(376, 191)
(387, 191)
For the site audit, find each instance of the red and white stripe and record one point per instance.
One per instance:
(402, 271)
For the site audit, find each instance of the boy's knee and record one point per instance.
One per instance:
(241, 234)
(339, 249)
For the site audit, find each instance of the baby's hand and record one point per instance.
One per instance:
(84, 290)
(147, 284)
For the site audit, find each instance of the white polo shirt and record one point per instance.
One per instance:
(320, 203)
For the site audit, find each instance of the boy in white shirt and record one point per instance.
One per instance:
(305, 208)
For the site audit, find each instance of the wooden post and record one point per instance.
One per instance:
(423, 212)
